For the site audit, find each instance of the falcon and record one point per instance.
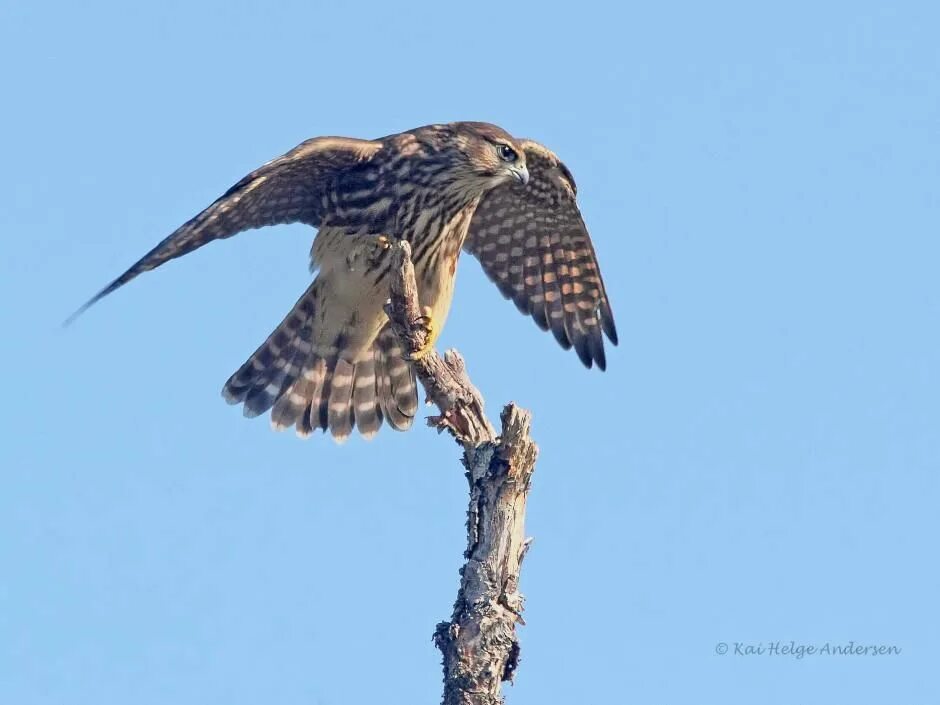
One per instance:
(334, 362)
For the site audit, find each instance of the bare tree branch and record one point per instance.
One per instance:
(479, 645)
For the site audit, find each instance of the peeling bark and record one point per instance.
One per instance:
(479, 644)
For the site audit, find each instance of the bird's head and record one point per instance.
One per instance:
(491, 154)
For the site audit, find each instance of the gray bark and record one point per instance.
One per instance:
(479, 644)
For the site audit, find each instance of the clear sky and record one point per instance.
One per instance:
(760, 463)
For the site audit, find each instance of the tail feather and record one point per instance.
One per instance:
(313, 387)
(280, 375)
(261, 379)
(301, 399)
(383, 389)
(399, 393)
(341, 412)
(365, 397)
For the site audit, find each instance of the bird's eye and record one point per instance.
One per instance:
(507, 153)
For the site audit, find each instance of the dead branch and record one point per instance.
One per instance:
(479, 645)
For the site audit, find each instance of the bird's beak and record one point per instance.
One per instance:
(521, 173)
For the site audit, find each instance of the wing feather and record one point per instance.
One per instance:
(532, 242)
(296, 187)
(534, 293)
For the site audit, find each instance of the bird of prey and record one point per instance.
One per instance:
(334, 363)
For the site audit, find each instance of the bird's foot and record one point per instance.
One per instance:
(425, 325)
(369, 252)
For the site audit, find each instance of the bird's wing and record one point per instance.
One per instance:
(296, 187)
(532, 242)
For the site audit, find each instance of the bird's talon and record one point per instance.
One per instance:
(368, 253)
(426, 325)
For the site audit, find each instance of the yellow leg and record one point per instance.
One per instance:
(426, 323)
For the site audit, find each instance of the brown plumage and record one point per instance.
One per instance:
(534, 245)
(333, 363)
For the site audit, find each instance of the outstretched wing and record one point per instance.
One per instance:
(296, 187)
(533, 244)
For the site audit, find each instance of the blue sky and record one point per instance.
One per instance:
(759, 463)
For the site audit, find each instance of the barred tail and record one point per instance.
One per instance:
(395, 387)
(320, 388)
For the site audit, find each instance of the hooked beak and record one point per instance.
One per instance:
(521, 173)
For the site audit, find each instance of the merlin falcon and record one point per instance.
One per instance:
(334, 362)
